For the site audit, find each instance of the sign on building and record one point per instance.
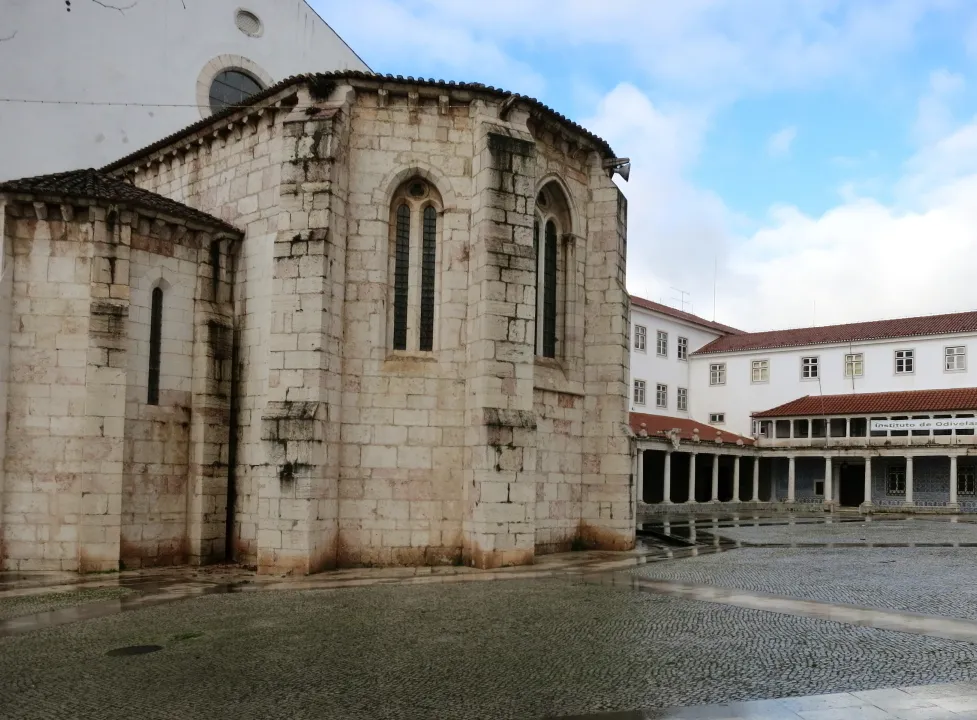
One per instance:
(924, 424)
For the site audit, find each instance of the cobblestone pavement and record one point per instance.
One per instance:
(915, 530)
(935, 581)
(515, 649)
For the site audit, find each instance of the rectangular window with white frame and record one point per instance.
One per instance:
(717, 418)
(661, 396)
(682, 398)
(639, 392)
(760, 371)
(810, 368)
(905, 362)
(956, 358)
(683, 348)
(640, 338)
(717, 374)
(662, 343)
(854, 365)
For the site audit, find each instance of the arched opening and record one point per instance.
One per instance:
(155, 345)
(415, 224)
(551, 227)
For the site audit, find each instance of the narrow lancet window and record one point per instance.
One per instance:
(428, 256)
(155, 345)
(401, 276)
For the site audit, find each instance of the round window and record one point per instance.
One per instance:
(248, 23)
(232, 87)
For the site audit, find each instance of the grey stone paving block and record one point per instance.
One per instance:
(515, 649)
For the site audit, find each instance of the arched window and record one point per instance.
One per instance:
(155, 345)
(414, 266)
(553, 217)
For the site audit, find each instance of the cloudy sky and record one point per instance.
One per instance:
(817, 157)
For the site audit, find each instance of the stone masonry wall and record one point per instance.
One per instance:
(235, 173)
(352, 453)
(157, 437)
(403, 412)
(63, 462)
(6, 300)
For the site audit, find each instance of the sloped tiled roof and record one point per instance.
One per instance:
(656, 425)
(682, 315)
(327, 78)
(94, 185)
(852, 332)
(910, 401)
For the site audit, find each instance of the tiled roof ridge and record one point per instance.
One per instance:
(888, 328)
(92, 184)
(893, 401)
(657, 425)
(683, 315)
(336, 75)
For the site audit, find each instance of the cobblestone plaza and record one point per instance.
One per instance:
(587, 634)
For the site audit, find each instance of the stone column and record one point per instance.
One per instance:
(210, 411)
(828, 492)
(868, 482)
(715, 479)
(691, 498)
(953, 480)
(298, 495)
(499, 526)
(640, 476)
(607, 513)
(667, 480)
(909, 480)
(756, 478)
(736, 478)
(791, 479)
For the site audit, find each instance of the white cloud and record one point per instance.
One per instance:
(862, 259)
(934, 114)
(780, 143)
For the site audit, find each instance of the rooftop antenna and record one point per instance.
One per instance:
(681, 299)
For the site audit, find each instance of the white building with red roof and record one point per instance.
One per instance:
(874, 415)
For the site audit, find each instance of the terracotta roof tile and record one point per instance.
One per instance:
(94, 185)
(852, 332)
(657, 425)
(323, 83)
(910, 401)
(682, 315)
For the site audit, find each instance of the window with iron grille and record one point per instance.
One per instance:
(809, 368)
(717, 374)
(639, 392)
(413, 267)
(640, 337)
(683, 348)
(155, 345)
(895, 480)
(661, 396)
(682, 398)
(956, 358)
(967, 480)
(854, 365)
(549, 291)
(905, 361)
(662, 344)
(760, 371)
